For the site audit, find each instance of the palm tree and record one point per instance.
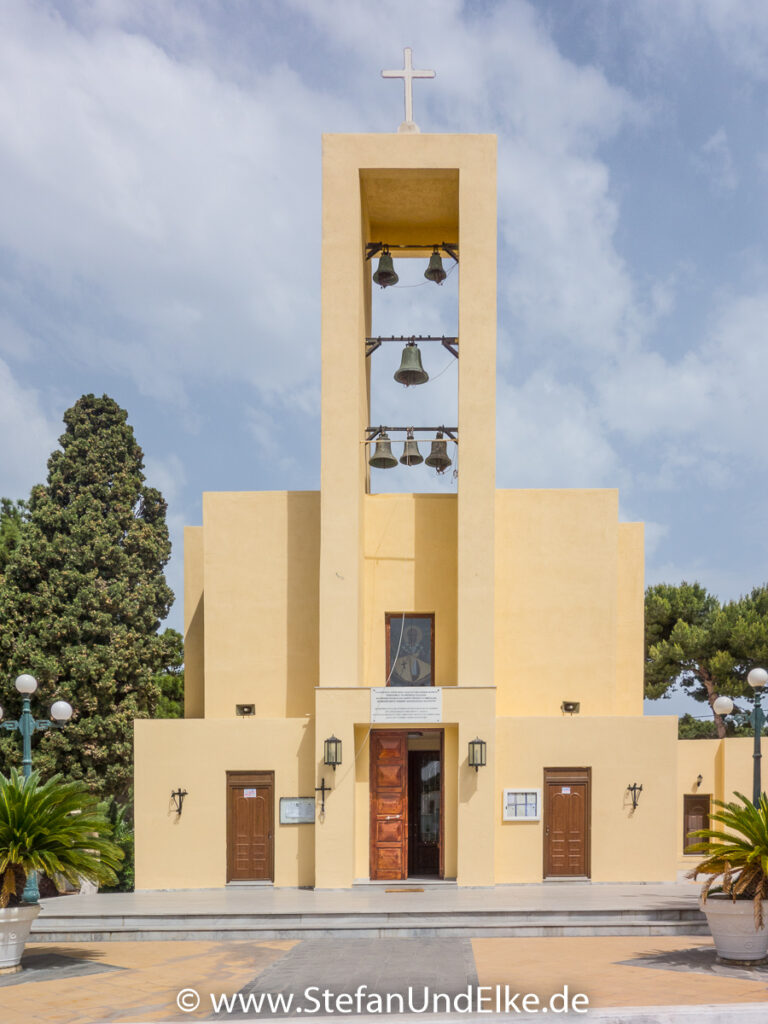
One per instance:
(53, 827)
(738, 855)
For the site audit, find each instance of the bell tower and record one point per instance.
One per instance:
(408, 191)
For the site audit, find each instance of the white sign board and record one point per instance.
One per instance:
(521, 805)
(406, 704)
(297, 810)
(249, 794)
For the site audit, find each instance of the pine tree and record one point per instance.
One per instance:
(82, 599)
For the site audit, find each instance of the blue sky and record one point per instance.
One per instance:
(160, 236)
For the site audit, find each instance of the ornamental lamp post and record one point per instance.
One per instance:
(61, 712)
(757, 679)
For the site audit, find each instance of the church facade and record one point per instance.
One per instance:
(391, 686)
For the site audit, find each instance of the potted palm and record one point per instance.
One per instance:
(737, 856)
(53, 827)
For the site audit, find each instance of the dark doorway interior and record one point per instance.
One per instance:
(424, 809)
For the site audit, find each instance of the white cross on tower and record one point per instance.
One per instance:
(408, 73)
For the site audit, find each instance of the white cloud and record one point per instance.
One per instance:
(550, 435)
(715, 160)
(29, 436)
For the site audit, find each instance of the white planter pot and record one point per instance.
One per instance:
(732, 924)
(15, 925)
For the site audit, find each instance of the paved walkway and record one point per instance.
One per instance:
(142, 981)
(382, 897)
(638, 978)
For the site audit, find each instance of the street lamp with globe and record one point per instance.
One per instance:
(27, 724)
(757, 679)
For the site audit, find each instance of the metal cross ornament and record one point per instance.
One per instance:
(408, 73)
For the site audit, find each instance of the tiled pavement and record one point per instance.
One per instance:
(139, 981)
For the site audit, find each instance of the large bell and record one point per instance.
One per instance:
(411, 455)
(385, 274)
(438, 457)
(434, 271)
(411, 371)
(382, 457)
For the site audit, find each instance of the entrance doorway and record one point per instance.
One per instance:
(567, 817)
(250, 826)
(406, 788)
(695, 815)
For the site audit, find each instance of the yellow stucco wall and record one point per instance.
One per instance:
(261, 555)
(194, 624)
(726, 768)
(568, 607)
(626, 845)
(190, 851)
(410, 566)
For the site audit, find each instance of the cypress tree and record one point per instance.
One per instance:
(82, 598)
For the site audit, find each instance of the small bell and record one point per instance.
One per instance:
(438, 457)
(411, 371)
(382, 457)
(385, 274)
(434, 271)
(411, 455)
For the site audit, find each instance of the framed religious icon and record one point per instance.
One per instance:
(410, 649)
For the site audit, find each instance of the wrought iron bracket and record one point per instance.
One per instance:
(452, 344)
(449, 248)
(323, 789)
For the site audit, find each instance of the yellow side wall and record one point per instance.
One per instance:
(190, 851)
(194, 624)
(626, 845)
(261, 557)
(568, 611)
(726, 769)
(630, 620)
(410, 566)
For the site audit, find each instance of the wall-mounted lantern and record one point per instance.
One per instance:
(332, 752)
(634, 791)
(570, 707)
(177, 797)
(477, 753)
(699, 780)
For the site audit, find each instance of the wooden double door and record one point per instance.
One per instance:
(250, 826)
(567, 819)
(406, 796)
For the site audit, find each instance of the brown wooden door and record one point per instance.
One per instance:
(389, 805)
(695, 815)
(250, 826)
(566, 822)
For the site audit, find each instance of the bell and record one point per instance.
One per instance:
(434, 271)
(438, 457)
(382, 457)
(385, 274)
(411, 371)
(411, 455)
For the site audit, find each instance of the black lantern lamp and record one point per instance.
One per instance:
(332, 752)
(477, 753)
